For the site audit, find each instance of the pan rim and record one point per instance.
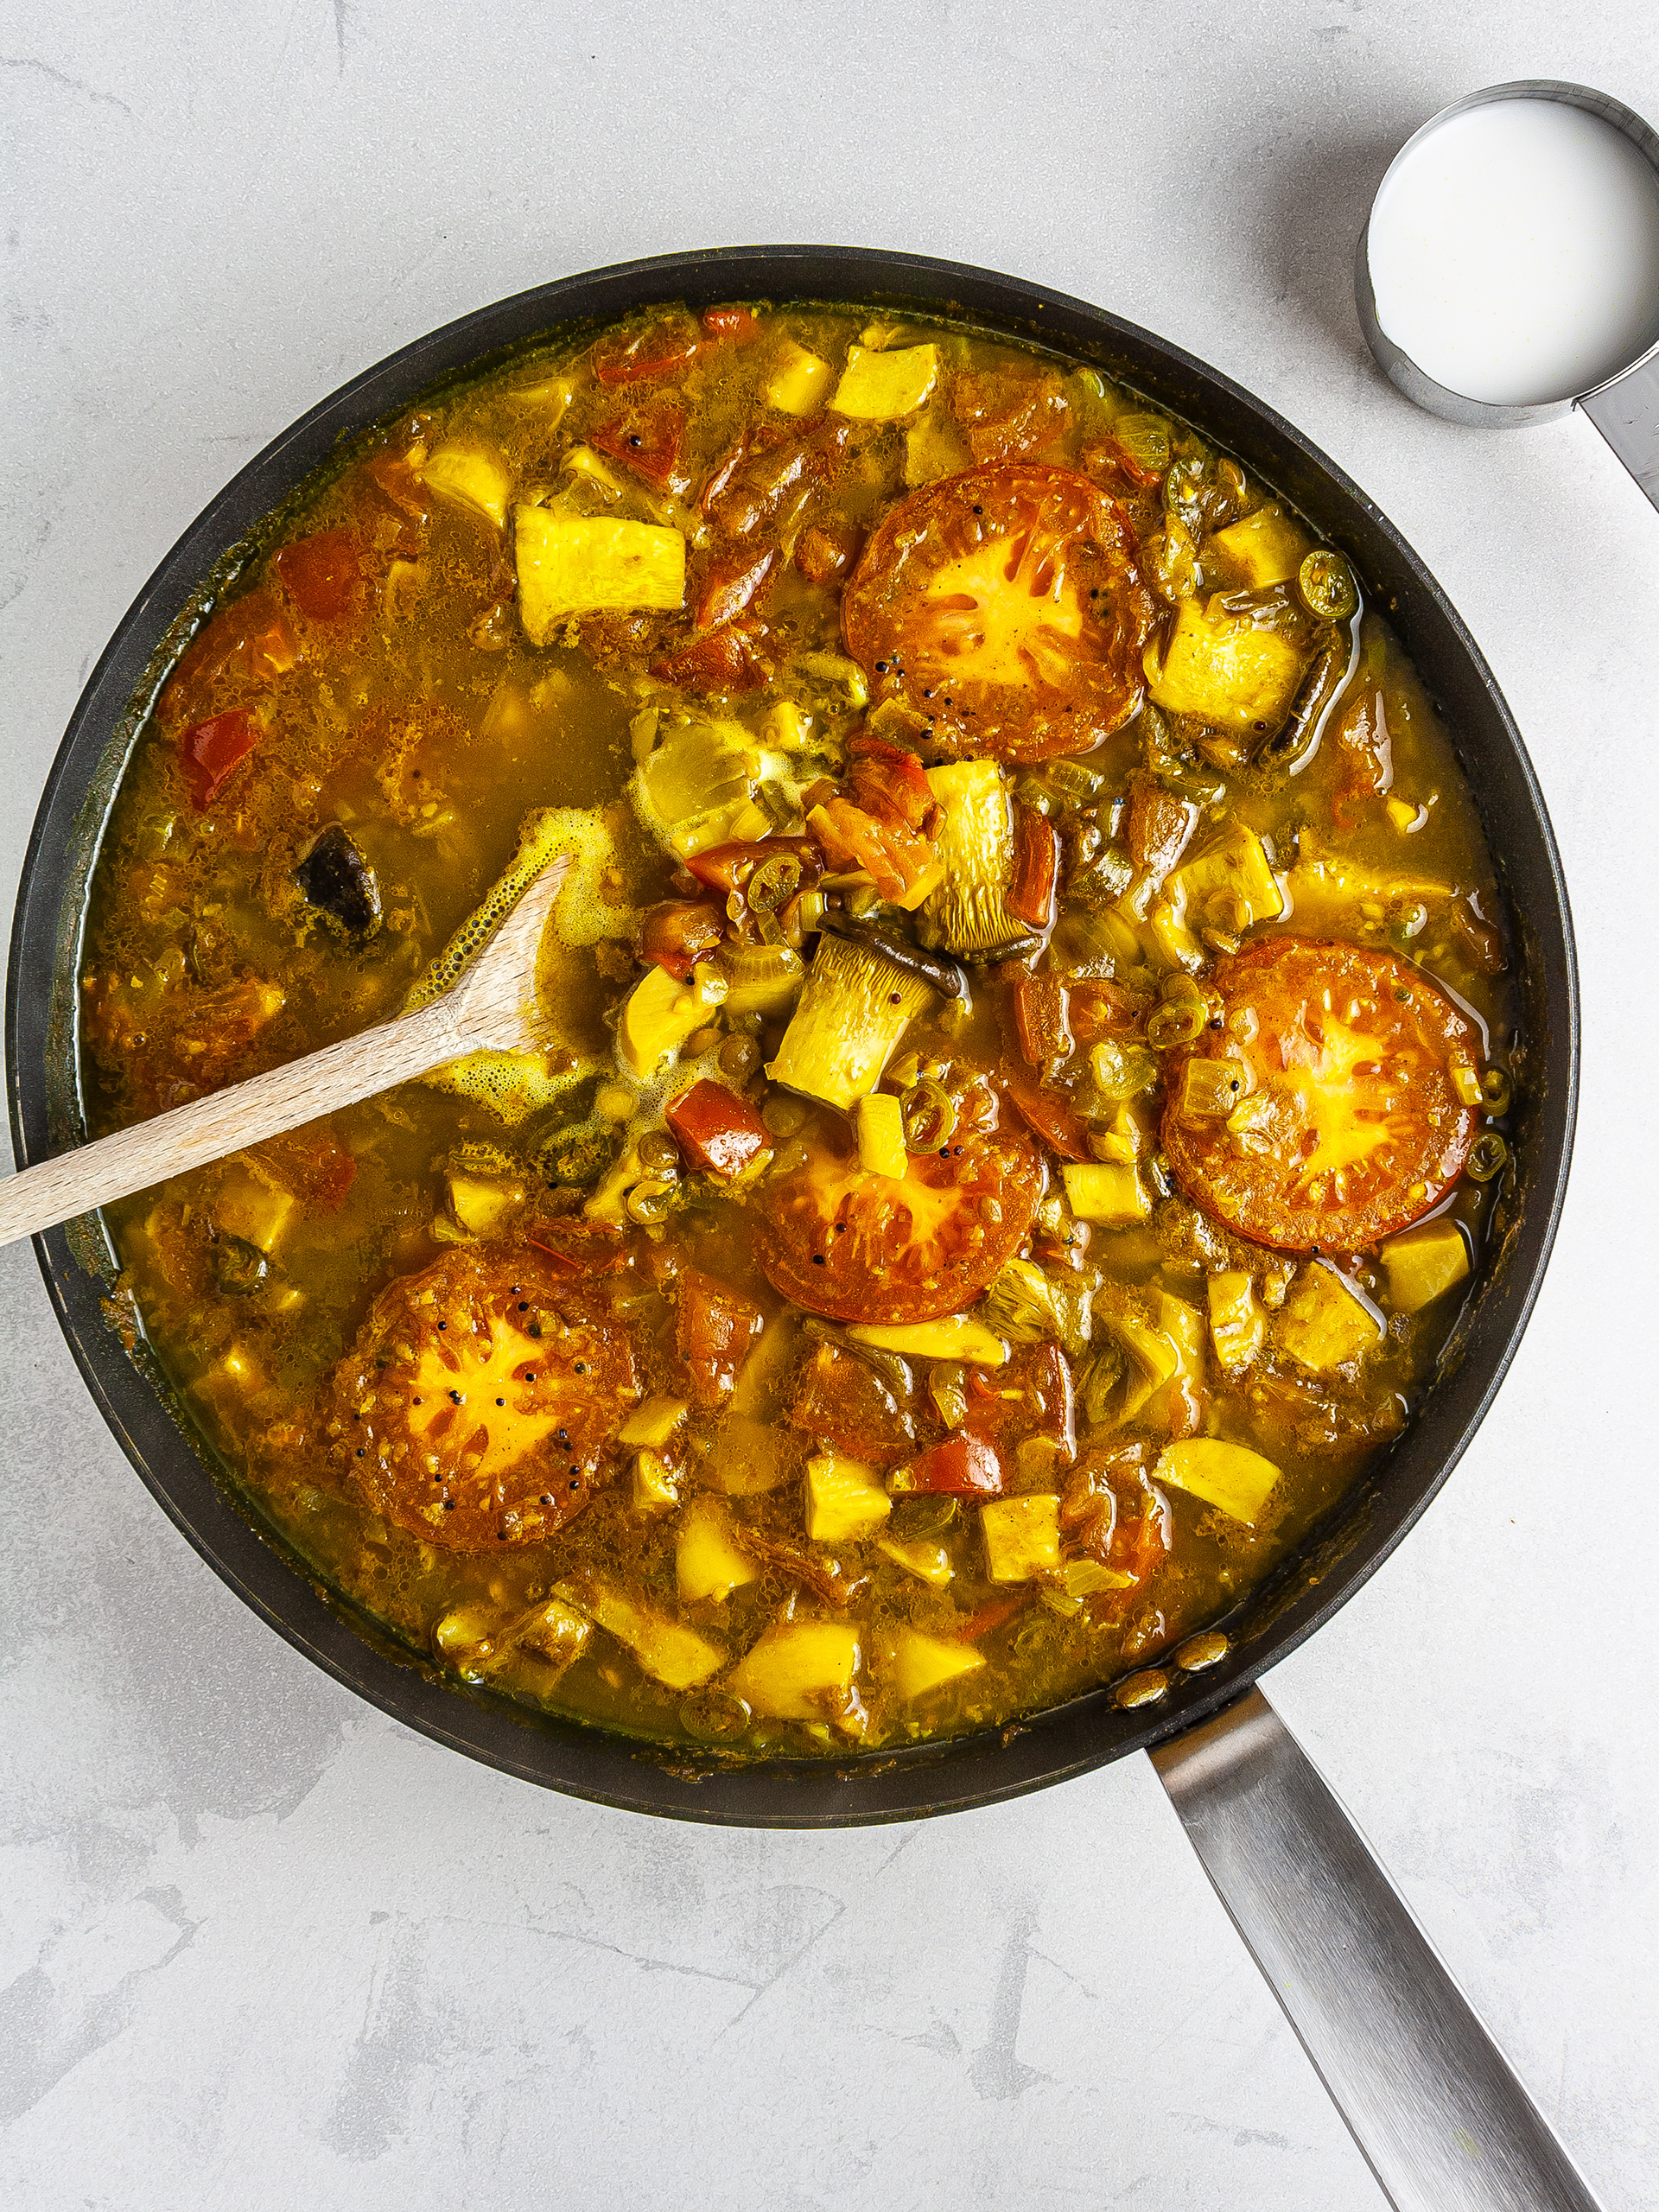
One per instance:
(988, 1768)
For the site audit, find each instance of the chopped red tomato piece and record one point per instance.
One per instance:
(716, 1326)
(718, 1133)
(728, 659)
(1008, 414)
(1159, 824)
(209, 750)
(962, 1466)
(824, 556)
(729, 581)
(1040, 1019)
(729, 868)
(1030, 895)
(733, 322)
(647, 440)
(393, 475)
(248, 645)
(660, 350)
(763, 480)
(897, 859)
(1047, 1115)
(678, 933)
(1029, 1397)
(995, 1615)
(891, 785)
(846, 1401)
(322, 575)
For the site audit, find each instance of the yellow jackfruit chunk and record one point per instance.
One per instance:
(921, 1663)
(966, 912)
(802, 1671)
(655, 1489)
(1157, 1359)
(252, 1211)
(1423, 1263)
(695, 787)
(478, 1643)
(881, 1127)
(1022, 1536)
(1324, 1322)
(707, 1561)
(880, 387)
(651, 1424)
(481, 1204)
(1227, 1475)
(955, 1336)
(575, 564)
(1224, 669)
(844, 1499)
(659, 1013)
(923, 1556)
(1105, 1191)
(798, 381)
(1233, 868)
(1266, 548)
(1237, 1324)
(855, 1008)
(472, 476)
(677, 1657)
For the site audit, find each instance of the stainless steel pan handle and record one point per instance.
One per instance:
(1442, 2120)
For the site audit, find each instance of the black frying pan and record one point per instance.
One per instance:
(1225, 1756)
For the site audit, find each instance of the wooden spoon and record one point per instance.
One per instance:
(491, 1007)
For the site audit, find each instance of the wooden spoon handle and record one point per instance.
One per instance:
(228, 1120)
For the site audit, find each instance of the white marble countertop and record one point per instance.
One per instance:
(264, 1947)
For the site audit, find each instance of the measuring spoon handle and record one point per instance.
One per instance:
(1432, 2103)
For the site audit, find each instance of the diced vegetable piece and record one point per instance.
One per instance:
(1211, 1086)
(1022, 1536)
(1405, 817)
(715, 1330)
(881, 1129)
(954, 1336)
(658, 1014)
(1030, 895)
(1157, 1359)
(880, 387)
(1224, 669)
(322, 573)
(1223, 1474)
(764, 978)
(1084, 1578)
(1048, 1114)
(656, 1490)
(209, 750)
(707, 1562)
(718, 1133)
(923, 1556)
(478, 1643)
(844, 1499)
(802, 1671)
(1230, 884)
(1324, 1322)
(1327, 887)
(1042, 1020)
(964, 1466)
(251, 1210)
(900, 862)
(921, 1663)
(847, 1400)
(677, 1657)
(975, 842)
(574, 565)
(582, 461)
(472, 476)
(855, 1007)
(699, 782)
(1266, 548)
(481, 1204)
(652, 1423)
(1020, 1302)
(1238, 1326)
(1424, 1263)
(798, 381)
(1107, 1191)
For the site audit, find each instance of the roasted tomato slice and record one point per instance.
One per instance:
(479, 1396)
(1005, 606)
(1345, 1124)
(867, 1248)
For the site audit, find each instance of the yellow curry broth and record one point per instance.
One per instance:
(427, 727)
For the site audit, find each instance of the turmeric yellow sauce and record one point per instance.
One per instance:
(1029, 1028)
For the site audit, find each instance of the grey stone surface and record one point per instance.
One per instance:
(261, 1946)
